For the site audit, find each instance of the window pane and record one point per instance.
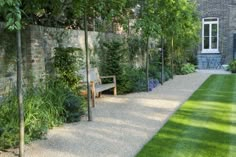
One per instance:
(206, 42)
(214, 30)
(214, 42)
(206, 30)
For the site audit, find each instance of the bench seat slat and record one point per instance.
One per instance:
(102, 87)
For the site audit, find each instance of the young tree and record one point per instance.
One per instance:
(148, 25)
(180, 23)
(106, 10)
(12, 14)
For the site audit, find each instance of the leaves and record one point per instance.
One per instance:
(12, 13)
(148, 22)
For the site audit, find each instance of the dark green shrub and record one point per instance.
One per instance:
(232, 66)
(187, 68)
(67, 62)
(155, 66)
(192, 59)
(112, 59)
(135, 79)
(74, 107)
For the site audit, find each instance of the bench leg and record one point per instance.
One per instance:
(93, 97)
(115, 91)
(99, 94)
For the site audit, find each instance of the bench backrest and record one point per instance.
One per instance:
(94, 75)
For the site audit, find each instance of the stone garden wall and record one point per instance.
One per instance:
(38, 45)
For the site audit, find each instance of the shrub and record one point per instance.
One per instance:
(135, 79)
(232, 66)
(74, 106)
(187, 68)
(111, 55)
(45, 107)
(67, 62)
(41, 113)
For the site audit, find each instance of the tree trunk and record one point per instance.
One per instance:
(19, 94)
(147, 65)
(162, 60)
(87, 65)
(172, 55)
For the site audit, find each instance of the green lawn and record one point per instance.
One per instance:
(205, 126)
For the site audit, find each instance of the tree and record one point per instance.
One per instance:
(148, 25)
(11, 12)
(180, 23)
(104, 9)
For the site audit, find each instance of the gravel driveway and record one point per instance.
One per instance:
(121, 125)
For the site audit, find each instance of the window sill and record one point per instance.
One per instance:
(210, 51)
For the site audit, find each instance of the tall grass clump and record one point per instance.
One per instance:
(53, 101)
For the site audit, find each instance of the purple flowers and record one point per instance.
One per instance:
(152, 83)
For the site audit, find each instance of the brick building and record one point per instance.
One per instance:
(218, 34)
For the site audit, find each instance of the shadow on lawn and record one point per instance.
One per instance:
(189, 139)
(208, 95)
(206, 115)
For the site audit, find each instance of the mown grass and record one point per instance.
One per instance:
(205, 126)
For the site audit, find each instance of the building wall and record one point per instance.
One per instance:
(225, 10)
(219, 9)
(232, 26)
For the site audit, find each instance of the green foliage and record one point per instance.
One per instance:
(187, 68)
(136, 47)
(66, 64)
(155, 65)
(74, 106)
(112, 58)
(133, 80)
(148, 23)
(44, 106)
(41, 113)
(10, 9)
(232, 66)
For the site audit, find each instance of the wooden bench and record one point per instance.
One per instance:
(96, 83)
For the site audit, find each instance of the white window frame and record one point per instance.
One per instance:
(214, 21)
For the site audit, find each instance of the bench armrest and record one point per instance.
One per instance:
(112, 76)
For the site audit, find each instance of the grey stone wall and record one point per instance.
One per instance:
(38, 45)
(7, 59)
(210, 61)
(43, 40)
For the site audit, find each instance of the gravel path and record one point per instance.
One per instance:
(121, 125)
